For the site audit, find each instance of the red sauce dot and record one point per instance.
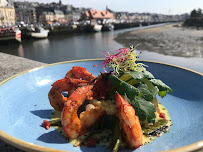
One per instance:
(46, 124)
(162, 115)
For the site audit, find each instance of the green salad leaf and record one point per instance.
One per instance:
(137, 75)
(146, 94)
(133, 81)
(154, 86)
(147, 74)
(123, 87)
(153, 89)
(143, 109)
(140, 74)
(163, 88)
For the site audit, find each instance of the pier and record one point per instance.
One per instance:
(23, 32)
(80, 28)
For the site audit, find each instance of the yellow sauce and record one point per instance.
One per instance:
(162, 109)
(105, 136)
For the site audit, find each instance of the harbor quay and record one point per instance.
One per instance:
(26, 31)
(39, 20)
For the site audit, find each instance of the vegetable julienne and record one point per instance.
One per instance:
(114, 109)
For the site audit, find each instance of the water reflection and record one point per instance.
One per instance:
(41, 44)
(67, 47)
(21, 51)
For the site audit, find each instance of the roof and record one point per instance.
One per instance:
(3, 3)
(47, 13)
(96, 14)
(58, 12)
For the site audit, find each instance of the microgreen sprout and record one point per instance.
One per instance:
(122, 61)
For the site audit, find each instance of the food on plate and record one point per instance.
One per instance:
(129, 123)
(118, 108)
(73, 125)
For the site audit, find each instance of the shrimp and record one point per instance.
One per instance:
(80, 73)
(129, 122)
(55, 94)
(76, 77)
(102, 86)
(73, 125)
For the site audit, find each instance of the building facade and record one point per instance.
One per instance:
(46, 17)
(97, 16)
(25, 12)
(7, 13)
(59, 16)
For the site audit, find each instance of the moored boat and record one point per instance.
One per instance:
(97, 27)
(40, 33)
(10, 34)
(108, 27)
(18, 34)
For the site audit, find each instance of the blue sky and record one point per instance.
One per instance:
(152, 6)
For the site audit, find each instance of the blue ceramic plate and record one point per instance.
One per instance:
(24, 105)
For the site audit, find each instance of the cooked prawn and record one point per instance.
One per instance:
(55, 94)
(80, 73)
(73, 125)
(129, 122)
(77, 76)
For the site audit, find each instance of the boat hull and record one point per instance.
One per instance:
(41, 34)
(97, 28)
(38, 35)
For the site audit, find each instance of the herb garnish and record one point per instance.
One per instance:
(133, 81)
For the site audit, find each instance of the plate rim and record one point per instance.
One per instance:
(33, 147)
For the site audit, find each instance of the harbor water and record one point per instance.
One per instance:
(67, 47)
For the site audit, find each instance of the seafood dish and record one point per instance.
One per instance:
(117, 109)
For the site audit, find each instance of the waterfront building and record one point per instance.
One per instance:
(72, 16)
(25, 12)
(67, 8)
(60, 3)
(97, 15)
(145, 17)
(133, 17)
(7, 13)
(47, 17)
(122, 17)
(68, 16)
(59, 16)
(76, 16)
(54, 5)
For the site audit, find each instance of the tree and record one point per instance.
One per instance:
(196, 13)
(193, 13)
(199, 12)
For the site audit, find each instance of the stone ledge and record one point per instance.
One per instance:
(9, 66)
